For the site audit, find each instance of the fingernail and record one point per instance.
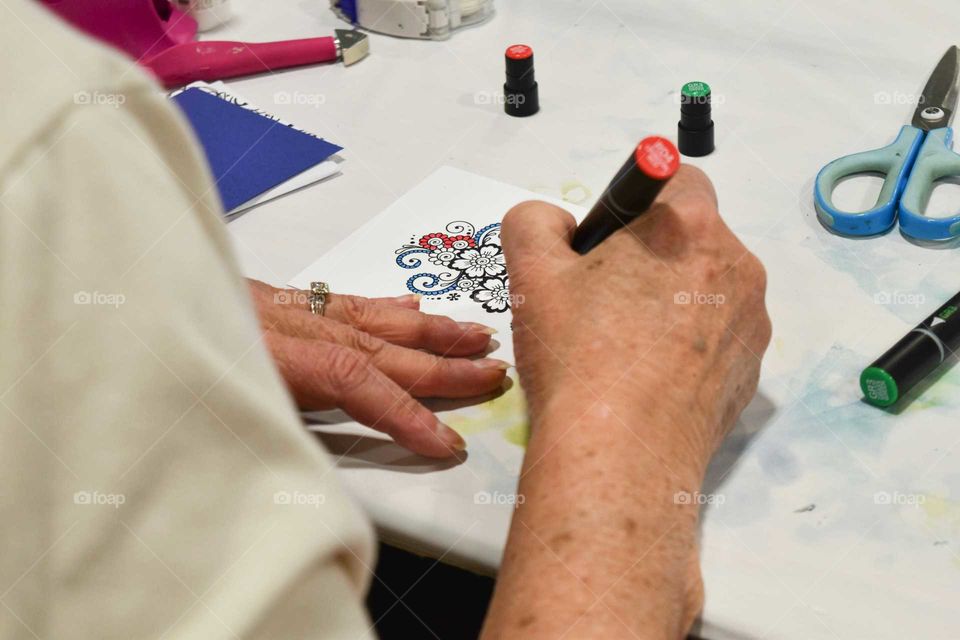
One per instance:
(492, 363)
(476, 327)
(411, 299)
(451, 437)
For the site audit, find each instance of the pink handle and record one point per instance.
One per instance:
(189, 62)
(142, 28)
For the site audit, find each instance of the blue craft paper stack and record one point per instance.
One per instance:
(248, 153)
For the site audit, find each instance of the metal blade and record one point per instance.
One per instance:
(354, 45)
(940, 95)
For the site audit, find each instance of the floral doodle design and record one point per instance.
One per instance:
(494, 295)
(468, 262)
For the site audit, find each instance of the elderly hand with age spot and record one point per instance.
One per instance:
(630, 393)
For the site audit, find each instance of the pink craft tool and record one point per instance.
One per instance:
(161, 38)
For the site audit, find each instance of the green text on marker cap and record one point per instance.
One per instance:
(878, 387)
(695, 89)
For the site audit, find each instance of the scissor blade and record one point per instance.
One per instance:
(940, 93)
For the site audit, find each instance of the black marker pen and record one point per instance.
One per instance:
(916, 355)
(630, 193)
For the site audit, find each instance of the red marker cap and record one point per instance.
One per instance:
(630, 193)
(519, 52)
(657, 157)
(521, 95)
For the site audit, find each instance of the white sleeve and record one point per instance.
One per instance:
(155, 479)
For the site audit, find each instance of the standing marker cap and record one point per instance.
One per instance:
(520, 92)
(695, 129)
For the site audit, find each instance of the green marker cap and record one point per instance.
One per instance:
(695, 89)
(695, 129)
(879, 388)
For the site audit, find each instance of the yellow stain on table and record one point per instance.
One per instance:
(507, 414)
(941, 510)
(939, 392)
(575, 192)
(571, 190)
(943, 518)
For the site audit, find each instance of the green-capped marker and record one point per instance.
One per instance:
(878, 387)
(914, 357)
(695, 129)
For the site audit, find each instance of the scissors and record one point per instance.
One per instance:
(911, 165)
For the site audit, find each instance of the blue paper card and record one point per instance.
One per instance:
(248, 153)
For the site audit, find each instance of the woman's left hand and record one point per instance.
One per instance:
(371, 356)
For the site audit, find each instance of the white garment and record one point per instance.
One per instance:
(155, 479)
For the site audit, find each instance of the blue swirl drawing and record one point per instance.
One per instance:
(464, 260)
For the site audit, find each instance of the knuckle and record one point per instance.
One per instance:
(695, 181)
(355, 311)
(692, 172)
(427, 327)
(754, 273)
(537, 213)
(347, 369)
(691, 221)
(365, 343)
(520, 213)
(766, 330)
(699, 215)
(437, 371)
(321, 328)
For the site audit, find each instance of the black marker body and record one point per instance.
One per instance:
(630, 193)
(914, 357)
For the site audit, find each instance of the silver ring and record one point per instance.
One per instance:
(318, 297)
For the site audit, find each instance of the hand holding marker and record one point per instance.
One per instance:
(655, 160)
(652, 164)
(630, 193)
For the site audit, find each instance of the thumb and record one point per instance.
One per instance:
(536, 236)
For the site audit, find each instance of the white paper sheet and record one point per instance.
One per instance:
(462, 510)
(810, 476)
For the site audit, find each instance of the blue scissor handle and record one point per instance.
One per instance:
(935, 161)
(894, 161)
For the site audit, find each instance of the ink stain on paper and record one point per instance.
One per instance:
(506, 414)
(574, 192)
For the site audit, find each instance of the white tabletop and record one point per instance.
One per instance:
(802, 547)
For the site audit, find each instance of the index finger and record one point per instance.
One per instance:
(684, 216)
(688, 186)
(534, 235)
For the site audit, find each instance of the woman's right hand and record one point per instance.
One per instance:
(636, 359)
(665, 315)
